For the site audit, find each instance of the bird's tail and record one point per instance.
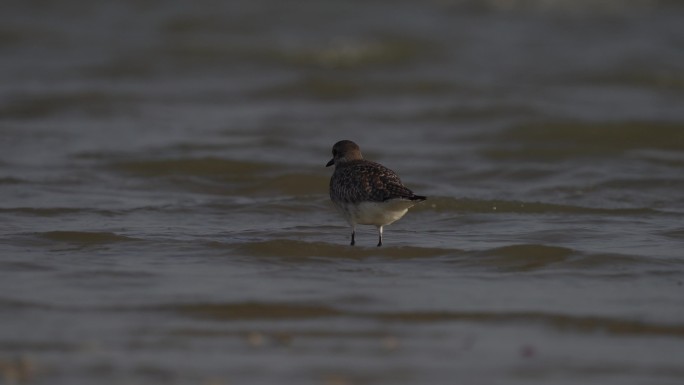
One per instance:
(418, 198)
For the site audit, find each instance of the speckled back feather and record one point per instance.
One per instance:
(363, 180)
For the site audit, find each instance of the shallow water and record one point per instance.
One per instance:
(165, 218)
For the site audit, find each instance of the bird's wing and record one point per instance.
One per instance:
(374, 182)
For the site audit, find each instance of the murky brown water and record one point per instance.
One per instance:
(164, 215)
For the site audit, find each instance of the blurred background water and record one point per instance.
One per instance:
(164, 215)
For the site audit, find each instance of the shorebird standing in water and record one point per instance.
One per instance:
(367, 193)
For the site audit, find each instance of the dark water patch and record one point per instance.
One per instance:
(126, 66)
(47, 105)
(38, 346)
(65, 211)
(515, 174)
(205, 167)
(291, 249)
(659, 372)
(183, 55)
(553, 141)
(474, 112)
(13, 305)
(281, 335)
(630, 187)
(676, 234)
(100, 155)
(11, 180)
(566, 8)
(562, 322)
(340, 87)
(52, 211)
(559, 259)
(526, 257)
(85, 238)
(642, 183)
(254, 310)
(616, 262)
(104, 274)
(290, 206)
(663, 79)
(623, 264)
(193, 25)
(348, 54)
(23, 266)
(93, 280)
(449, 204)
(673, 159)
(351, 54)
(248, 185)
(264, 337)
(10, 36)
(189, 147)
(288, 184)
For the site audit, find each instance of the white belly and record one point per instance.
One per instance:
(376, 213)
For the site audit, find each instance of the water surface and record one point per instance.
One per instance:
(165, 218)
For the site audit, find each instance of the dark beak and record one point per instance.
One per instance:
(332, 161)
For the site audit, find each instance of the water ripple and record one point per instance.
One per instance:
(85, 238)
(449, 204)
(562, 322)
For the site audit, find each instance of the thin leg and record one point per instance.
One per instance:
(353, 242)
(379, 236)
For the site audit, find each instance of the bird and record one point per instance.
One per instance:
(366, 192)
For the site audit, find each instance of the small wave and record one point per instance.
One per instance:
(210, 166)
(564, 322)
(253, 310)
(329, 88)
(101, 274)
(562, 140)
(85, 237)
(289, 184)
(49, 211)
(511, 258)
(638, 77)
(538, 257)
(216, 175)
(11, 180)
(524, 257)
(448, 204)
(280, 336)
(350, 54)
(564, 6)
(14, 304)
(591, 262)
(51, 104)
(676, 234)
(642, 183)
(34, 346)
(23, 266)
(585, 324)
(461, 113)
(286, 248)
